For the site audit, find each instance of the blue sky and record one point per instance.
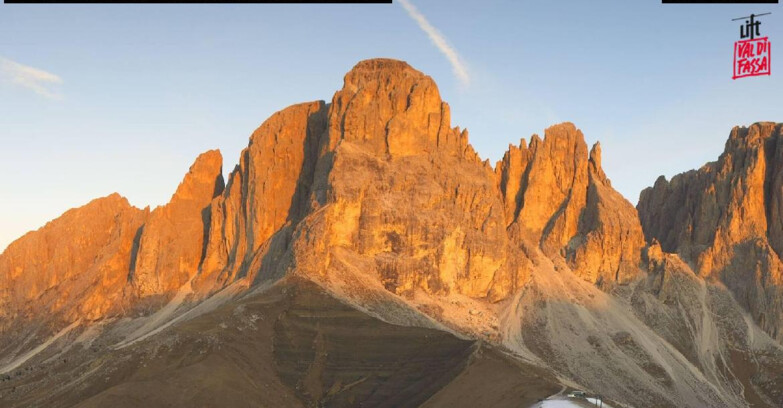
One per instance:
(125, 97)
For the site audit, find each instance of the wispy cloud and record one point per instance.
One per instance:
(440, 41)
(34, 79)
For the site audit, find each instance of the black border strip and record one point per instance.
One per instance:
(198, 2)
(719, 1)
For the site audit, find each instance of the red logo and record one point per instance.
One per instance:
(751, 58)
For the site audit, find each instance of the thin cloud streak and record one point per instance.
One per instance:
(37, 80)
(440, 41)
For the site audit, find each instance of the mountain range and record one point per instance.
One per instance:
(362, 254)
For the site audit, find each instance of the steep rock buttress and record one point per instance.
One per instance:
(377, 180)
(726, 220)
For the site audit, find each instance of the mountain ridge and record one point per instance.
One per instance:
(377, 200)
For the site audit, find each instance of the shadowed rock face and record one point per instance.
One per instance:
(726, 220)
(267, 194)
(293, 345)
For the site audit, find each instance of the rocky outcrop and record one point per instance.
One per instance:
(171, 242)
(74, 267)
(267, 194)
(407, 200)
(559, 197)
(405, 195)
(392, 109)
(609, 241)
(555, 186)
(376, 198)
(725, 219)
(378, 175)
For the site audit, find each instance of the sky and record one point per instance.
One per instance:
(96, 99)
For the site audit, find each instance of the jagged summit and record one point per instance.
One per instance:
(727, 219)
(170, 245)
(365, 235)
(206, 173)
(391, 108)
(312, 156)
(376, 70)
(379, 66)
(385, 139)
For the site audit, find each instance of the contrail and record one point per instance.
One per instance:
(440, 41)
(37, 80)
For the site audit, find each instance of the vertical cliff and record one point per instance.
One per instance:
(267, 194)
(726, 220)
(403, 197)
(377, 199)
(377, 175)
(171, 241)
(399, 190)
(558, 196)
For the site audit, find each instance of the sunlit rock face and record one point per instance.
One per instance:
(73, 267)
(375, 201)
(267, 194)
(378, 173)
(558, 196)
(171, 242)
(727, 219)
(407, 195)
(404, 191)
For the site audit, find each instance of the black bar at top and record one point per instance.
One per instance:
(719, 1)
(197, 2)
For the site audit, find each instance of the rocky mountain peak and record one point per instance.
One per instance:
(204, 178)
(727, 219)
(596, 170)
(170, 245)
(370, 70)
(558, 195)
(392, 109)
(73, 267)
(375, 202)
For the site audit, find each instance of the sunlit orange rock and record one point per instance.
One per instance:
(726, 219)
(379, 181)
(74, 267)
(171, 242)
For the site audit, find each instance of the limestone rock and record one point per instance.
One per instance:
(556, 185)
(74, 267)
(381, 202)
(512, 177)
(171, 242)
(267, 193)
(392, 109)
(377, 180)
(726, 219)
(558, 196)
(429, 215)
(610, 239)
(404, 192)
